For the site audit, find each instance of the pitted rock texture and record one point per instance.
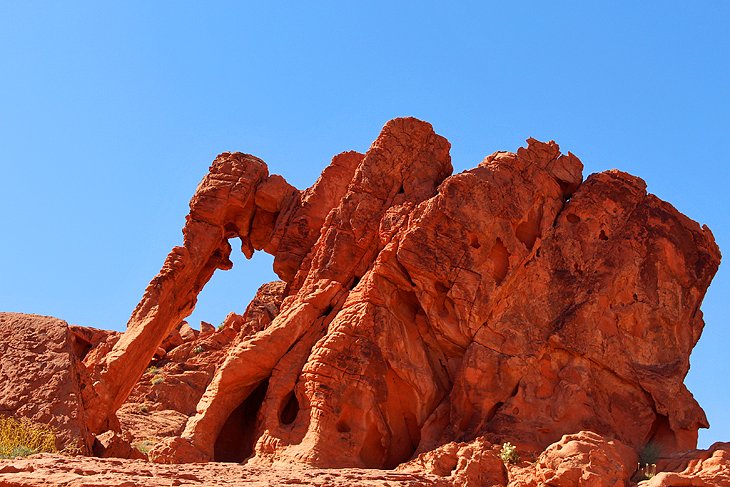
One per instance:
(703, 468)
(513, 301)
(473, 464)
(586, 460)
(422, 320)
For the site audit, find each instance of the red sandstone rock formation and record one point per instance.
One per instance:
(695, 468)
(423, 318)
(169, 390)
(39, 377)
(432, 310)
(510, 300)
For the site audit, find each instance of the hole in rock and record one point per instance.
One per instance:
(231, 230)
(566, 188)
(343, 427)
(572, 218)
(528, 231)
(474, 242)
(451, 465)
(232, 290)
(401, 190)
(493, 412)
(500, 261)
(399, 411)
(602, 235)
(290, 409)
(237, 438)
(661, 439)
(81, 346)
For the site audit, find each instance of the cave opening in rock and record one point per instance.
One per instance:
(238, 436)
(661, 437)
(290, 409)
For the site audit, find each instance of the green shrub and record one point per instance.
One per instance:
(22, 437)
(153, 369)
(199, 349)
(144, 446)
(509, 454)
(158, 379)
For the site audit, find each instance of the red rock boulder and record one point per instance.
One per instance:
(39, 377)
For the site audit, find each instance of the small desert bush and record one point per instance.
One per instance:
(509, 454)
(153, 369)
(22, 437)
(649, 453)
(648, 456)
(158, 379)
(199, 349)
(144, 446)
(647, 471)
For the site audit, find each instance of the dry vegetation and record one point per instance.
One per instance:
(22, 437)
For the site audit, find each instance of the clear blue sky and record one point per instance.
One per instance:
(110, 114)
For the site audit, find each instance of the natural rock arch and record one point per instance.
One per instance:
(512, 300)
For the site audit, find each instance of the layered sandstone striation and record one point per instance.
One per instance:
(422, 319)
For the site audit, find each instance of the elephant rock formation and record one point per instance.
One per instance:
(511, 302)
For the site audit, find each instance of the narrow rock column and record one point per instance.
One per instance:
(222, 207)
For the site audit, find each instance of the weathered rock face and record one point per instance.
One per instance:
(585, 459)
(512, 301)
(39, 377)
(473, 464)
(169, 390)
(709, 467)
(422, 320)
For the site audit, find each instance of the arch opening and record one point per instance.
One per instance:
(233, 289)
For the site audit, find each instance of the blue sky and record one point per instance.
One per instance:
(111, 114)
